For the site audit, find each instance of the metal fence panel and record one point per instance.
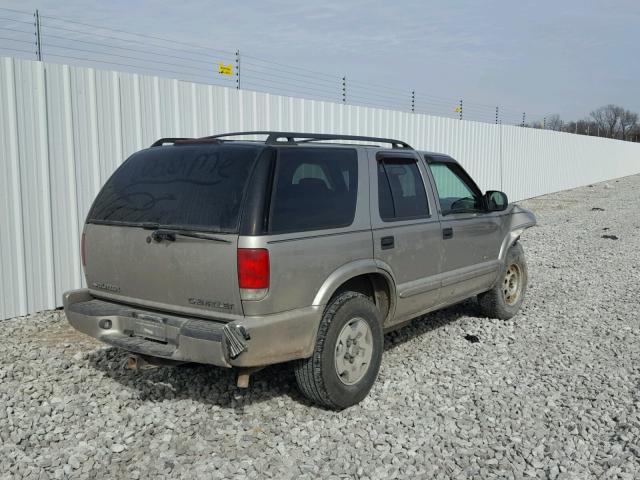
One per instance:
(63, 131)
(35, 188)
(13, 294)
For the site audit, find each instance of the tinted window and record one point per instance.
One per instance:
(454, 193)
(315, 188)
(191, 186)
(401, 193)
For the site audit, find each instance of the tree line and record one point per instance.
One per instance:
(611, 121)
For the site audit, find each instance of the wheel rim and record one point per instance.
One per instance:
(512, 284)
(354, 350)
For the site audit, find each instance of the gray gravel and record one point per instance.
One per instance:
(554, 393)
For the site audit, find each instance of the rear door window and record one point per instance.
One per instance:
(314, 189)
(401, 192)
(198, 187)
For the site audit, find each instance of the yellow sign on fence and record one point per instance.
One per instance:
(225, 69)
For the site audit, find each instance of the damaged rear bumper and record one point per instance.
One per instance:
(249, 342)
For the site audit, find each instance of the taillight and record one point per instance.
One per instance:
(253, 273)
(82, 254)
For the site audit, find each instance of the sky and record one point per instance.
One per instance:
(542, 57)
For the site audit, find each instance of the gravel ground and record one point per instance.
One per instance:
(553, 393)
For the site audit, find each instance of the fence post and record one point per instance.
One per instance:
(238, 69)
(344, 89)
(501, 159)
(544, 123)
(37, 33)
(460, 109)
(413, 101)
(497, 113)
(523, 117)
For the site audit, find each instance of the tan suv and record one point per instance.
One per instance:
(238, 252)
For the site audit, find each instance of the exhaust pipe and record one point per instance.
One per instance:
(244, 374)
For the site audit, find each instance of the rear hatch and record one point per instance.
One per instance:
(163, 231)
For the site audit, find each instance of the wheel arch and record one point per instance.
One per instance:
(519, 220)
(370, 277)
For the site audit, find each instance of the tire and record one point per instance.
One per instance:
(318, 376)
(504, 300)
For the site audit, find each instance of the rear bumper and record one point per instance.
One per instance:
(250, 342)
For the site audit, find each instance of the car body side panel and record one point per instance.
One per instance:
(469, 252)
(301, 262)
(349, 271)
(415, 259)
(300, 266)
(469, 257)
(476, 238)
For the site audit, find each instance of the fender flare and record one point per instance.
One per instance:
(520, 220)
(353, 269)
(509, 239)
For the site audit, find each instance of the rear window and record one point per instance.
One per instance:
(315, 189)
(189, 186)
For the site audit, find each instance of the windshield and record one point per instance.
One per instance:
(197, 187)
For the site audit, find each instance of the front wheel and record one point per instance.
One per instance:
(347, 354)
(505, 298)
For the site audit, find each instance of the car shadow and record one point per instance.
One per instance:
(421, 325)
(217, 386)
(205, 384)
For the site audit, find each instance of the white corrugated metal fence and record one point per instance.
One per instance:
(64, 129)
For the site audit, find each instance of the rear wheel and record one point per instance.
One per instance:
(347, 354)
(505, 298)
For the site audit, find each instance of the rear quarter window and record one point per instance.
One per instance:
(314, 189)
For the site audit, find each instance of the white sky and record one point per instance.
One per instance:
(543, 57)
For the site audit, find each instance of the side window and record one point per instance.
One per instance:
(454, 193)
(401, 193)
(314, 189)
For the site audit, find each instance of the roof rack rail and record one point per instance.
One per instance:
(162, 141)
(275, 138)
(182, 141)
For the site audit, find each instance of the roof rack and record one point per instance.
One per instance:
(183, 140)
(275, 138)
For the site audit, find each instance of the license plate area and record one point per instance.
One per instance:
(150, 327)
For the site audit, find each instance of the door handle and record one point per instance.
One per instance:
(387, 242)
(447, 233)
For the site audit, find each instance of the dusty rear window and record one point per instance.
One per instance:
(190, 186)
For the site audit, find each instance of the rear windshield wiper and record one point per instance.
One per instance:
(164, 234)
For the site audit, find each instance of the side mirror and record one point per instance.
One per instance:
(495, 201)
